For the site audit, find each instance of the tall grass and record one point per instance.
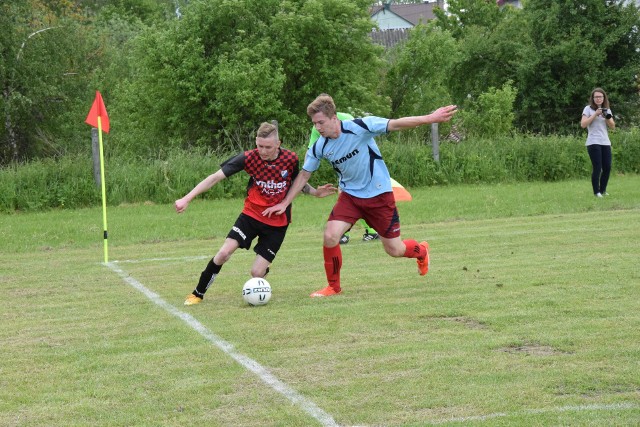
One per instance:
(68, 181)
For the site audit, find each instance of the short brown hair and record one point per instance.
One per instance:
(267, 130)
(322, 104)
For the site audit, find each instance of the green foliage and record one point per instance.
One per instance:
(68, 182)
(489, 57)
(495, 160)
(210, 74)
(463, 15)
(54, 55)
(48, 183)
(575, 47)
(555, 52)
(45, 70)
(210, 78)
(626, 151)
(416, 81)
(491, 114)
(147, 11)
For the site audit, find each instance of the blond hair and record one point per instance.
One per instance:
(322, 104)
(267, 130)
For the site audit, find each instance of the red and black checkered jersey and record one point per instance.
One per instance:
(269, 182)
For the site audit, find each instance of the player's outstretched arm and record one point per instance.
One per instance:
(297, 186)
(204, 185)
(442, 114)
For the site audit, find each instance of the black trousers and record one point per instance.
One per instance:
(600, 156)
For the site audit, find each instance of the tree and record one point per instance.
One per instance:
(52, 59)
(462, 15)
(211, 77)
(491, 113)
(419, 69)
(554, 51)
(490, 45)
(576, 46)
(42, 72)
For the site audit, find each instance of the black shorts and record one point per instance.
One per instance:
(270, 238)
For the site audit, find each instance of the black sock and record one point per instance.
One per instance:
(206, 278)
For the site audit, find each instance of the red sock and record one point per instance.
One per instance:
(413, 249)
(332, 265)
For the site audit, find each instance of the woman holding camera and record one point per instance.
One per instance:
(597, 118)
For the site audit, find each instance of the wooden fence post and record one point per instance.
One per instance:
(435, 142)
(95, 150)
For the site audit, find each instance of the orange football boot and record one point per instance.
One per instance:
(325, 292)
(423, 263)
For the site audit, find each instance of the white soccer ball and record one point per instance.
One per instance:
(256, 291)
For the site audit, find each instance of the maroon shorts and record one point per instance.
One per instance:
(379, 212)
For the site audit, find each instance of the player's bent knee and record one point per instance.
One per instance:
(331, 240)
(258, 272)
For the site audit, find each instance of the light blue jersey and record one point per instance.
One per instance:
(355, 157)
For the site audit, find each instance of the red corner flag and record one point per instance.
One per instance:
(98, 110)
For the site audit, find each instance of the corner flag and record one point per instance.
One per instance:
(98, 111)
(98, 118)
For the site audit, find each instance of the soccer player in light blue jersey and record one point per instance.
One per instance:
(369, 233)
(349, 146)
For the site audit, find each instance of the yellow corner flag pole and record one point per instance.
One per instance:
(104, 194)
(98, 117)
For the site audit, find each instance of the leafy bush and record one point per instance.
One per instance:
(491, 115)
(68, 182)
(626, 151)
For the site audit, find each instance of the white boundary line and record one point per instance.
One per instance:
(139, 261)
(306, 405)
(576, 408)
(296, 398)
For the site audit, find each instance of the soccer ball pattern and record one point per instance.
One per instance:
(256, 291)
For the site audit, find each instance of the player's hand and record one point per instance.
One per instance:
(181, 205)
(443, 114)
(275, 209)
(326, 190)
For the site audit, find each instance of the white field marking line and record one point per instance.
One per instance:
(238, 254)
(137, 261)
(296, 398)
(576, 408)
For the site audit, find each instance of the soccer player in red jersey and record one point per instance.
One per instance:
(271, 171)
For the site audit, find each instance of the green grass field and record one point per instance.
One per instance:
(529, 316)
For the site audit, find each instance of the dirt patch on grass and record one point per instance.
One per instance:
(467, 322)
(532, 349)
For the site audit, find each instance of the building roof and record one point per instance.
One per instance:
(515, 3)
(413, 13)
(390, 38)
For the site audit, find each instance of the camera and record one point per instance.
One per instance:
(605, 113)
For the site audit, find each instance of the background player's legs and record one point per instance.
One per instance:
(369, 232)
